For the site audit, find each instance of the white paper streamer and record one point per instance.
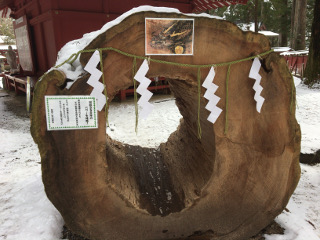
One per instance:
(93, 80)
(143, 102)
(254, 73)
(213, 99)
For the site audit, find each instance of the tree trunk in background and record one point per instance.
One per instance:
(262, 13)
(293, 9)
(298, 24)
(256, 16)
(284, 25)
(313, 65)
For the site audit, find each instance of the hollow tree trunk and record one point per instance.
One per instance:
(227, 186)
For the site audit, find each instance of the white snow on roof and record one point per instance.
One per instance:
(299, 52)
(281, 49)
(269, 33)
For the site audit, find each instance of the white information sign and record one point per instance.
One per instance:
(71, 112)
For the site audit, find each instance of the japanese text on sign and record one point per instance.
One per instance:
(71, 112)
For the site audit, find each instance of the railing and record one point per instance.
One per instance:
(296, 61)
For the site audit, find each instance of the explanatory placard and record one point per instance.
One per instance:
(71, 112)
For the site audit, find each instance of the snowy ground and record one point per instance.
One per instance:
(26, 213)
(308, 116)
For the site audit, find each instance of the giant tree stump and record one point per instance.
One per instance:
(226, 186)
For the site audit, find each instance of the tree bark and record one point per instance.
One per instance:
(256, 23)
(312, 72)
(298, 24)
(284, 25)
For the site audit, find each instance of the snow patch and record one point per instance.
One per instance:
(163, 120)
(308, 116)
(302, 221)
(25, 211)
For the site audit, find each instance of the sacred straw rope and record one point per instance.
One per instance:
(74, 56)
(105, 87)
(199, 100)
(136, 109)
(292, 91)
(227, 97)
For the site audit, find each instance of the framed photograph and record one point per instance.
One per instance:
(169, 36)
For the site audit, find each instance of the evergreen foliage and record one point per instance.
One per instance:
(274, 15)
(6, 30)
